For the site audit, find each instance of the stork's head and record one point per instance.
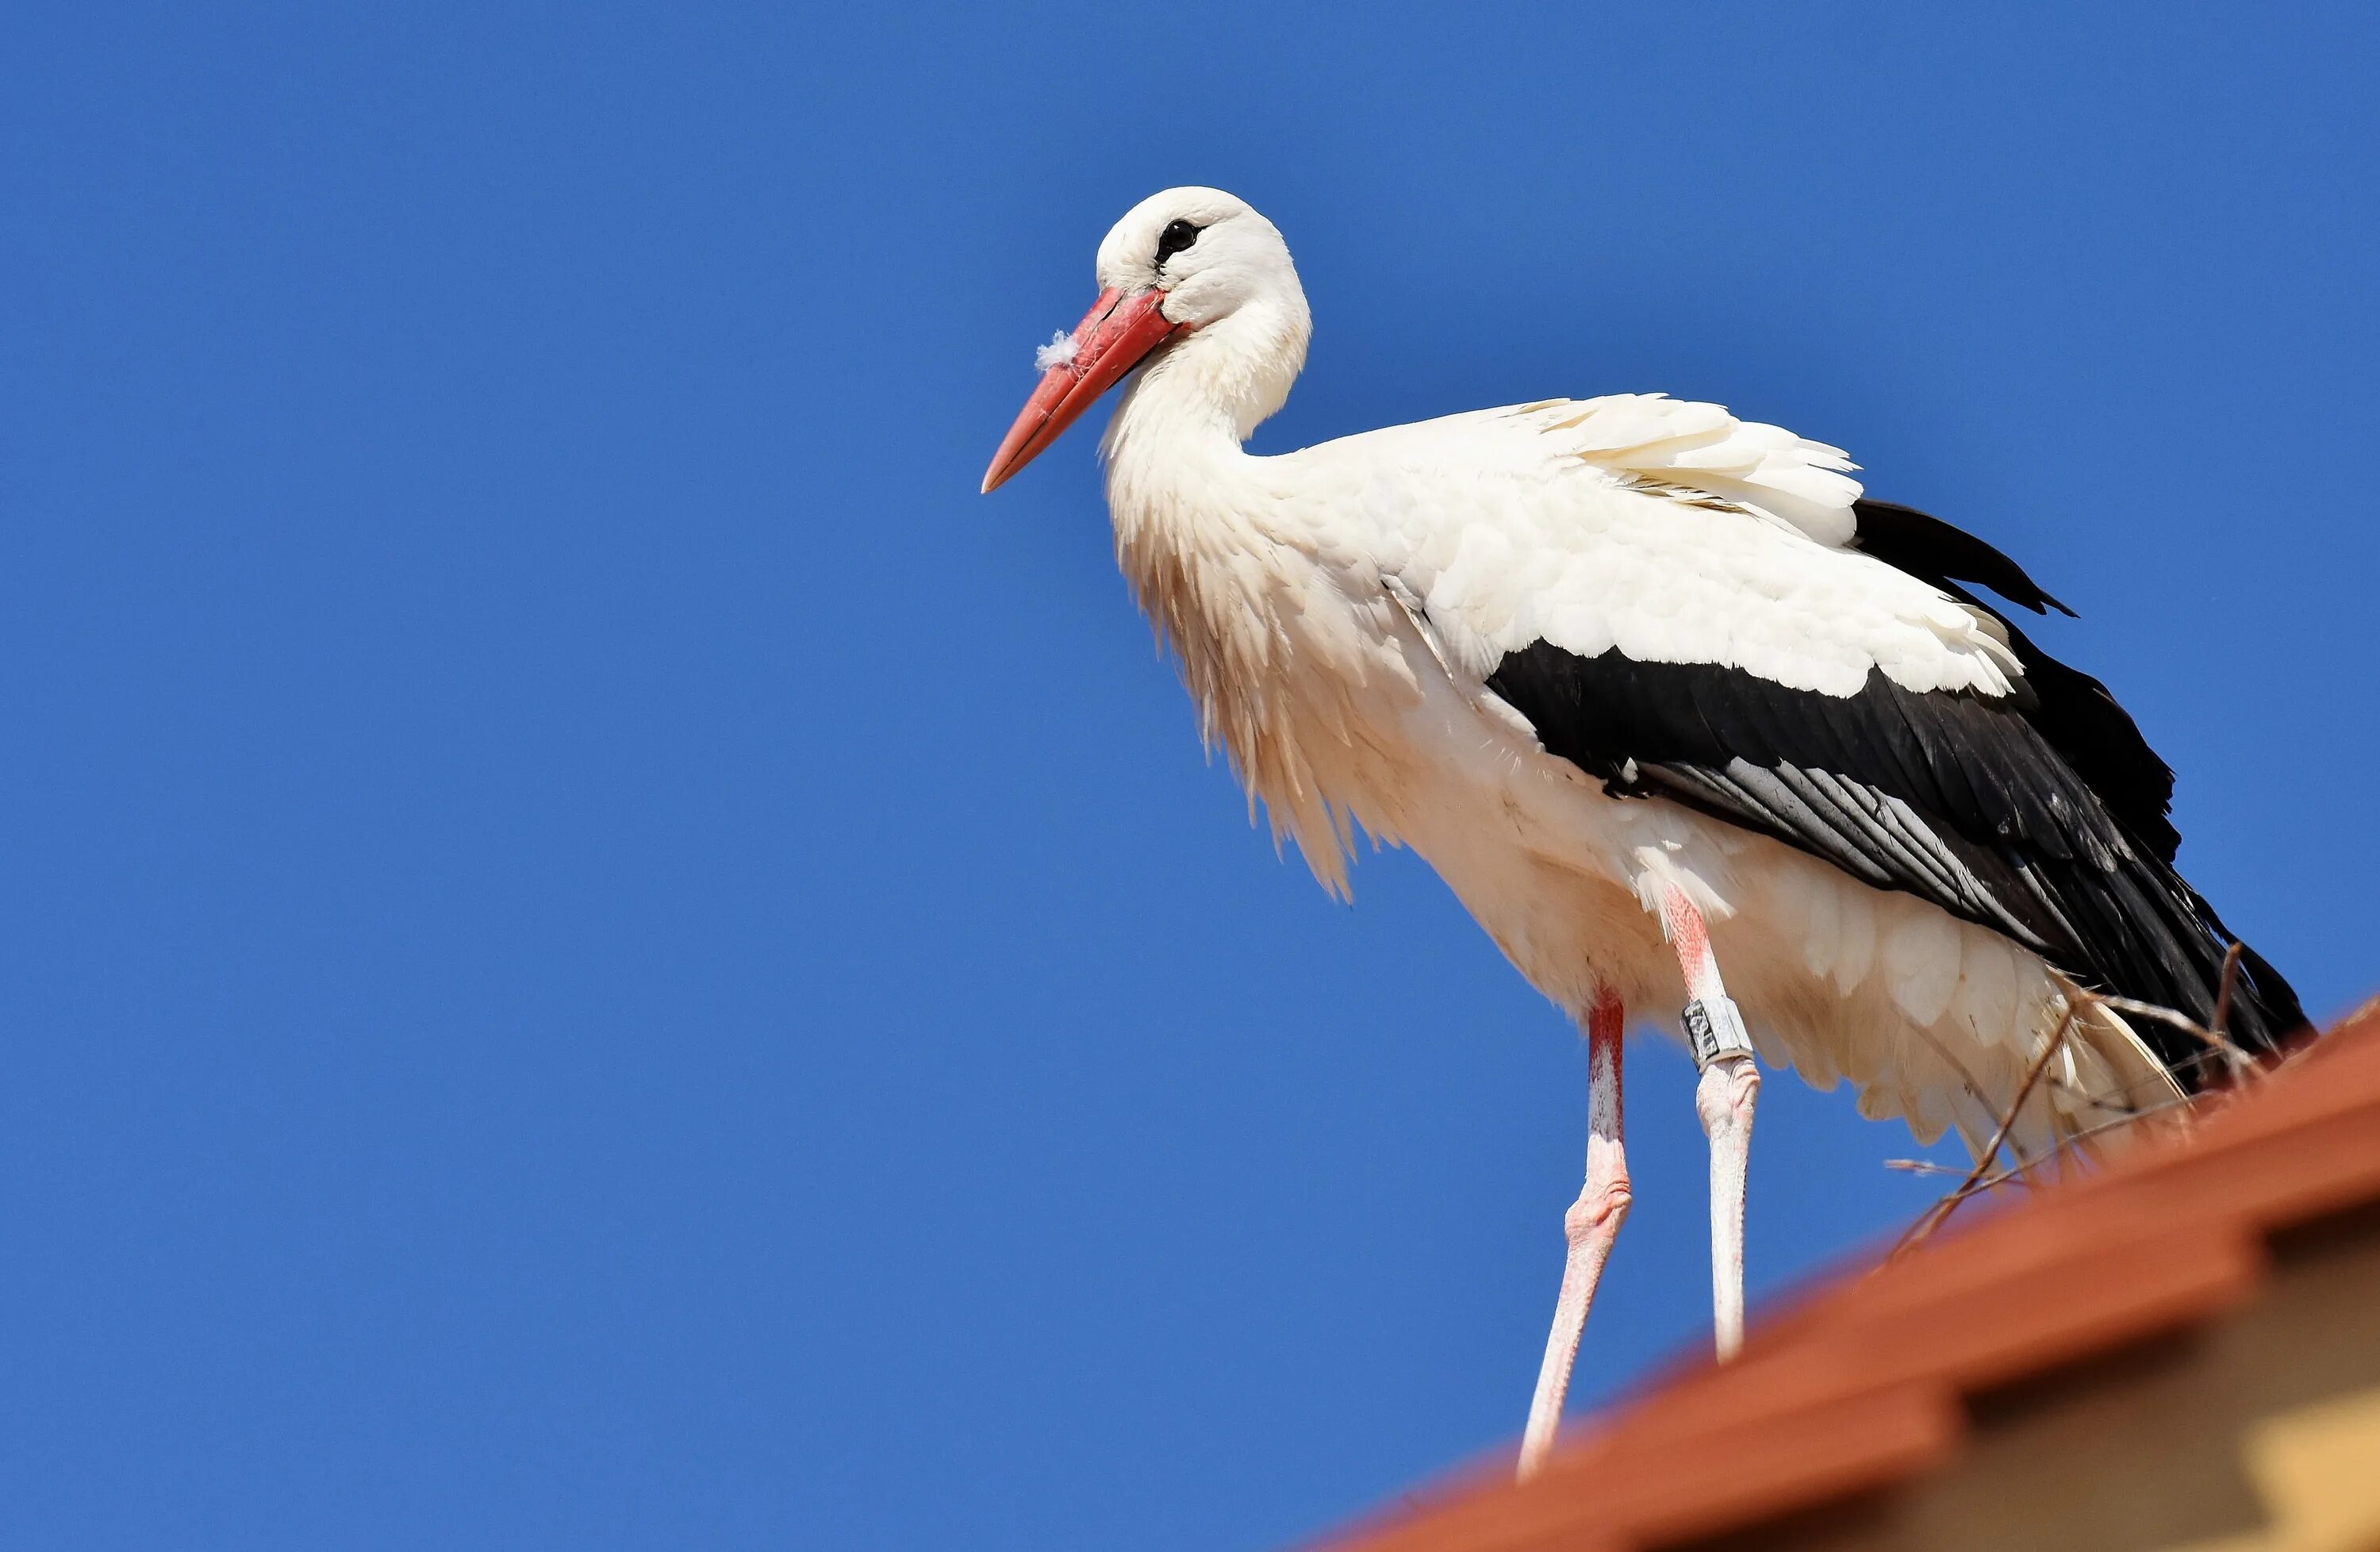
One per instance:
(1199, 286)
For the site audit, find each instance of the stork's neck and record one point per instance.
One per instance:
(1206, 540)
(1175, 439)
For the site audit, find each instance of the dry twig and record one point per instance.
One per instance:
(1984, 1177)
(2214, 1034)
(2017, 1173)
(2216, 1025)
(1920, 1167)
(1941, 1210)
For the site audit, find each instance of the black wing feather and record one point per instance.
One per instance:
(1924, 545)
(1960, 799)
(2072, 711)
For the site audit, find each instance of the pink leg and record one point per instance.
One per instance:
(1724, 1097)
(1592, 1223)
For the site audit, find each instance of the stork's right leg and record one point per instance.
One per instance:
(1592, 1223)
(1724, 1097)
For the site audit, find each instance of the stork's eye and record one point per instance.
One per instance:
(1177, 236)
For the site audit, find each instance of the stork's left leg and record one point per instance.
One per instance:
(1590, 1226)
(1724, 1096)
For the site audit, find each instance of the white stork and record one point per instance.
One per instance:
(1656, 691)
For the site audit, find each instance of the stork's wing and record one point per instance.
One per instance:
(1951, 796)
(1705, 634)
(2074, 713)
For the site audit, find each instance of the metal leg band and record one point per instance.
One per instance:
(1714, 1031)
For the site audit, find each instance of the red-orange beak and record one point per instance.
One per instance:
(1109, 342)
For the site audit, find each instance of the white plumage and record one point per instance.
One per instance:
(1397, 632)
(1337, 705)
(1058, 352)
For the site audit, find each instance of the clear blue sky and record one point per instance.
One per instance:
(599, 954)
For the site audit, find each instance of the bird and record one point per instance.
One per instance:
(1683, 717)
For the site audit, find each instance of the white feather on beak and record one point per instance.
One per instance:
(1058, 352)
